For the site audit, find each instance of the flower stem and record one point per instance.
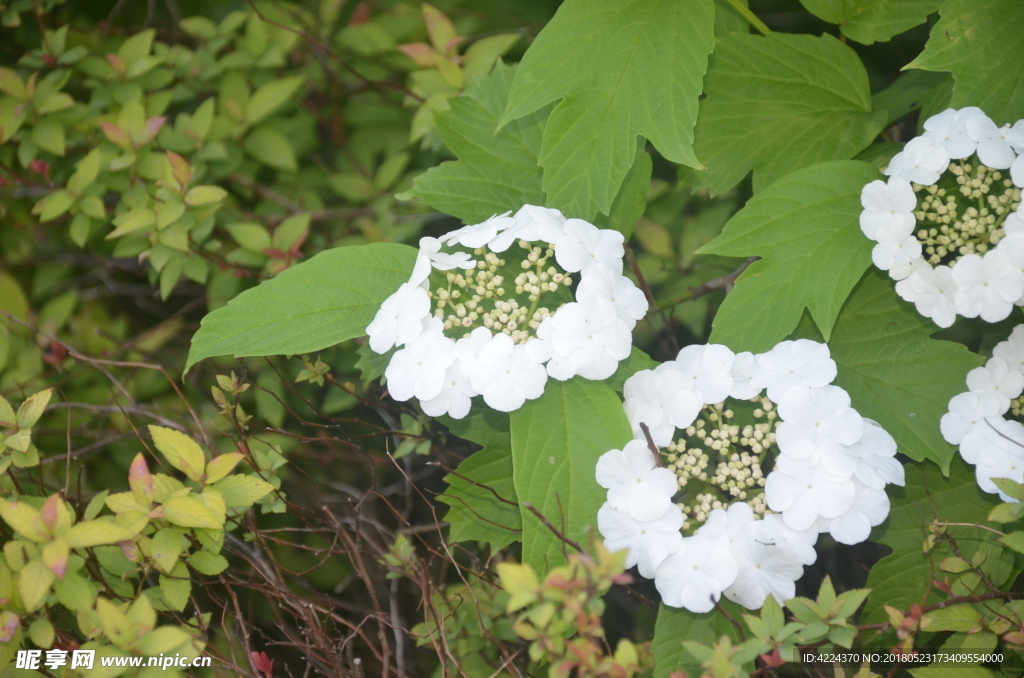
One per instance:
(745, 12)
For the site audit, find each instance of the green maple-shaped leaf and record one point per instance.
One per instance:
(321, 302)
(556, 440)
(981, 42)
(868, 21)
(903, 577)
(895, 373)
(778, 103)
(475, 513)
(805, 229)
(497, 169)
(622, 69)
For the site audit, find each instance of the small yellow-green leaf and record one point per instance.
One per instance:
(176, 588)
(75, 592)
(11, 84)
(221, 466)
(520, 582)
(86, 172)
(48, 134)
(55, 556)
(251, 236)
(190, 512)
(53, 205)
(137, 46)
(165, 548)
(204, 195)
(41, 633)
(7, 415)
(114, 623)
(271, 148)
(58, 101)
(92, 206)
(25, 520)
(208, 563)
(125, 501)
(270, 97)
(95, 505)
(242, 490)
(32, 408)
(96, 532)
(181, 452)
(165, 639)
(131, 221)
(34, 582)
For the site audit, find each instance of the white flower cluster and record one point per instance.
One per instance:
(497, 326)
(977, 421)
(831, 469)
(948, 222)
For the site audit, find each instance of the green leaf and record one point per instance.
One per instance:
(630, 203)
(482, 54)
(95, 533)
(805, 229)
(674, 625)
(556, 440)
(910, 92)
(166, 546)
(621, 68)
(33, 408)
(242, 491)
(496, 171)
(208, 563)
(204, 195)
(869, 21)
(1015, 540)
(318, 303)
(475, 513)
(901, 578)
(981, 42)
(181, 452)
(270, 97)
(894, 372)
(191, 512)
(34, 583)
(176, 589)
(48, 134)
(271, 148)
(778, 103)
(54, 205)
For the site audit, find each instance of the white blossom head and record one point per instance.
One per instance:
(505, 291)
(944, 223)
(755, 454)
